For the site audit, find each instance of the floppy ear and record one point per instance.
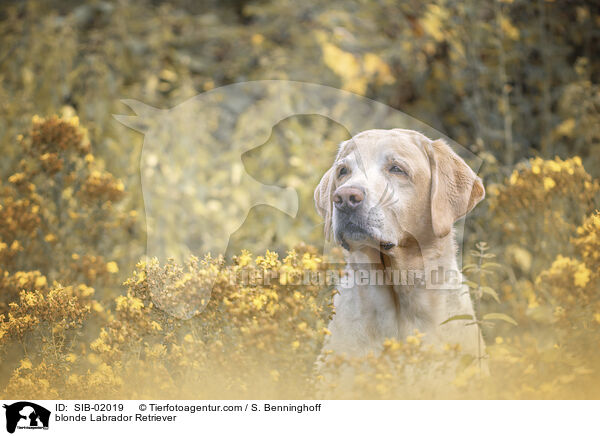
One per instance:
(323, 200)
(455, 188)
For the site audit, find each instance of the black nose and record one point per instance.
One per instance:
(348, 198)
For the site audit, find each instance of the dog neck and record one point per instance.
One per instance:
(434, 258)
(429, 264)
(421, 275)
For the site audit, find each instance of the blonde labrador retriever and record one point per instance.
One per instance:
(390, 200)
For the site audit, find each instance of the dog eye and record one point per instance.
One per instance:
(396, 169)
(342, 172)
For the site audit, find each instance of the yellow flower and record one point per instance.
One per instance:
(74, 120)
(112, 267)
(582, 276)
(413, 340)
(16, 178)
(257, 39)
(50, 237)
(310, 262)
(244, 258)
(549, 183)
(553, 166)
(40, 282)
(259, 301)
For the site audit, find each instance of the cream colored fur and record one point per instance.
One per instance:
(409, 217)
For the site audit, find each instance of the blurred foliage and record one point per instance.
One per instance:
(60, 214)
(515, 82)
(244, 329)
(560, 194)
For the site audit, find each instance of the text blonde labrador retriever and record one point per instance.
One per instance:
(390, 200)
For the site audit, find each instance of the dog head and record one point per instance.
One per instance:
(390, 186)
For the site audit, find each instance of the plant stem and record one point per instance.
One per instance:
(477, 306)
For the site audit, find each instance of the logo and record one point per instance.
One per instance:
(26, 415)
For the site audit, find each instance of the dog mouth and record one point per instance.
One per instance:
(352, 234)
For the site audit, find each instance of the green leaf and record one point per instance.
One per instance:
(457, 318)
(491, 265)
(470, 284)
(499, 317)
(489, 291)
(469, 267)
